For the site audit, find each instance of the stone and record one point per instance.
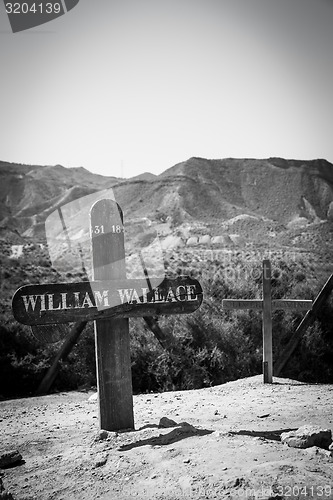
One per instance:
(167, 422)
(93, 397)
(102, 435)
(307, 436)
(319, 452)
(10, 458)
(219, 434)
(101, 460)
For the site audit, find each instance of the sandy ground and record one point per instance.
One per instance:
(231, 447)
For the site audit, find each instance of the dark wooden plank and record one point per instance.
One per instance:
(304, 324)
(267, 323)
(114, 379)
(121, 298)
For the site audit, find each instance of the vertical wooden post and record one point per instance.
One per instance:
(113, 360)
(267, 323)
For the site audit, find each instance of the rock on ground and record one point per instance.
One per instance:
(308, 436)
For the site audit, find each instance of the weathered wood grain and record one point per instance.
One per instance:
(119, 298)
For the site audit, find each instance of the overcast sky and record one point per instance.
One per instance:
(121, 87)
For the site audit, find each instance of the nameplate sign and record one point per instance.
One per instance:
(70, 302)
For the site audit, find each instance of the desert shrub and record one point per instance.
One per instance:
(24, 362)
(312, 361)
(79, 369)
(21, 363)
(300, 276)
(144, 350)
(212, 345)
(208, 350)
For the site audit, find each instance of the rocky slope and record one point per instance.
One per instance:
(250, 200)
(278, 189)
(29, 193)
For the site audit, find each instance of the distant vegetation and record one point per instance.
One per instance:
(212, 346)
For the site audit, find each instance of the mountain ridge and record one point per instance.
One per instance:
(279, 194)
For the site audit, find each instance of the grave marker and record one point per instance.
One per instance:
(109, 300)
(60, 303)
(266, 305)
(112, 341)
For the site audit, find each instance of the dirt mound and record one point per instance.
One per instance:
(225, 442)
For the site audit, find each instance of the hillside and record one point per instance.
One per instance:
(230, 202)
(194, 206)
(274, 191)
(278, 189)
(29, 193)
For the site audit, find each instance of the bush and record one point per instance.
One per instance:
(212, 345)
(24, 361)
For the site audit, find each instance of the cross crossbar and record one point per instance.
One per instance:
(286, 304)
(267, 305)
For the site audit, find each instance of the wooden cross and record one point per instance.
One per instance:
(266, 305)
(109, 300)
